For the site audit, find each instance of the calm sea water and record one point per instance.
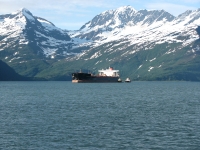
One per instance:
(105, 116)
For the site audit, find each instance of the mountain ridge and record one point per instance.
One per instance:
(142, 23)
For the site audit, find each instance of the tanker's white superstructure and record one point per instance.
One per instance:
(109, 72)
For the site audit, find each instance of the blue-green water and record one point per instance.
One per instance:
(105, 116)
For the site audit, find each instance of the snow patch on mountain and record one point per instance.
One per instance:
(152, 59)
(50, 45)
(46, 24)
(150, 68)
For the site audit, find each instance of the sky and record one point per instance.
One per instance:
(72, 14)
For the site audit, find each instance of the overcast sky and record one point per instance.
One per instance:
(72, 14)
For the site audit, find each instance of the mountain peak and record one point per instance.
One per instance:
(124, 8)
(24, 10)
(27, 14)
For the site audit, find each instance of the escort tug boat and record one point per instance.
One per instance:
(127, 80)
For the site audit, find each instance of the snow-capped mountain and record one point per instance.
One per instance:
(119, 22)
(139, 26)
(144, 44)
(21, 29)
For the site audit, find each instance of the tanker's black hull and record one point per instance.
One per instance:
(88, 78)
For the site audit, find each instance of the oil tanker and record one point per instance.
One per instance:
(104, 76)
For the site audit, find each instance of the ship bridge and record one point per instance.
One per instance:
(108, 72)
